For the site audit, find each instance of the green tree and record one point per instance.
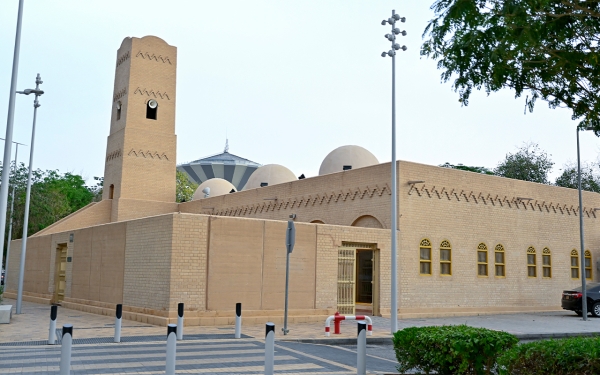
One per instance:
(53, 196)
(184, 187)
(529, 163)
(590, 179)
(483, 170)
(545, 48)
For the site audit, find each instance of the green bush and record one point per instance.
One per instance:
(449, 350)
(574, 356)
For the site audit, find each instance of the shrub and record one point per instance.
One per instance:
(574, 356)
(448, 350)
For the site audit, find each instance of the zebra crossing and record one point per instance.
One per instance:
(242, 356)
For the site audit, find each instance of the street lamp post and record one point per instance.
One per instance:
(584, 310)
(9, 128)
(12, 207)
(36, 104)
(394, 204)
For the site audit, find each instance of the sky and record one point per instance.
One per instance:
(285, 81)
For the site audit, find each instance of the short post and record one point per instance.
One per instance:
(269, 348)
(238, 320)
(65, 349)
(180, 321)
(171, 349)
(361, 348)
(52, 330)
(119, 315)
(336, 324)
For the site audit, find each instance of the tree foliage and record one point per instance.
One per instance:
(184, 187)
(529, 163)
(545, 48)
(590, 179)
(53, 196)
(483, 170)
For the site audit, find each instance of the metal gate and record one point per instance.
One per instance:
(346, 280)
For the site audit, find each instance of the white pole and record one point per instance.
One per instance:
(171, 349)
(118, 318)
(361, 348)
(238, 320)
(9, 128)
(394, 225)
(52, 330)
(65, 349)
(36, 104)
(12, 207)
(584, 308)
(180, 321)
(269, 348)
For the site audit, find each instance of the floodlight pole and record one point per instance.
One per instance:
(9, 128)
(36, 104)
(583, 275)
(394, 204)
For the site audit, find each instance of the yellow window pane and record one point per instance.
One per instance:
(426, 268)
(482, 270)
(588, 273)
(530, 258)
(445, 255)
(499, 257)
(547, 272)
(499, 270)
(445, 269)
(574, 261)
(531, 271)
(425, 254)
(482, 256)
(574, 273)
(546, 260)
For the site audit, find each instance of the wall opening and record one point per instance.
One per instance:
(151, 109)
(367, 221)
(111, 191)
(60, 273)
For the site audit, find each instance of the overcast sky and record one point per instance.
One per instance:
(286, 81)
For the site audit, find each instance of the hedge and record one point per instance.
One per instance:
(450, 350)
(574, 356)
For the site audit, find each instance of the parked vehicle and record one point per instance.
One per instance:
(571, 299)
(2, 277)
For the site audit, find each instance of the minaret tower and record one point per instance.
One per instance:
(139, 173)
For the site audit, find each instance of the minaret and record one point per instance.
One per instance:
(141, 148)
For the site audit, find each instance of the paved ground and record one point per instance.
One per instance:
(213, 349)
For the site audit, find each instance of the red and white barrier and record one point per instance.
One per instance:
(337, 319)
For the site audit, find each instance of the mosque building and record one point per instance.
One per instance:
(467, 243)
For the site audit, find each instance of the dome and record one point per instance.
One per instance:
(347, 157)
(218, 186)
(270, 174)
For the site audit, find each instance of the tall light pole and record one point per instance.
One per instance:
(36, 104)
(583, 275)
(394, 208)
(12, 207)
(9, 128)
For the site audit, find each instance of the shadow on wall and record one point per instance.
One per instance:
(367, 221)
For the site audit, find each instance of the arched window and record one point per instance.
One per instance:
(482, 260)
(546, 263)
(445, 258)
(425, 257)
(499, 261)
(574, 264)
(588, 264)
(151, 109)
(531, 262)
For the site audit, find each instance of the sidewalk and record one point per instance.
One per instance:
(33, 324)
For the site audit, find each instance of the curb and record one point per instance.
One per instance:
(388, 340)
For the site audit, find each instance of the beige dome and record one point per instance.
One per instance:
(218, 186)
(270, 174)
(347, 156)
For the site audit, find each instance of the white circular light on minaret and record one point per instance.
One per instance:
(152, 103)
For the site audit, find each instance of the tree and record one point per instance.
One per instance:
(529, 163)
(53, 196)
(483, 170)
(590, 180)
(184, 187)
(547, 48)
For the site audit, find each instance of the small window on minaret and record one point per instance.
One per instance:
(111, 192)
(151, 109)
(118, 110)
(346, 167)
